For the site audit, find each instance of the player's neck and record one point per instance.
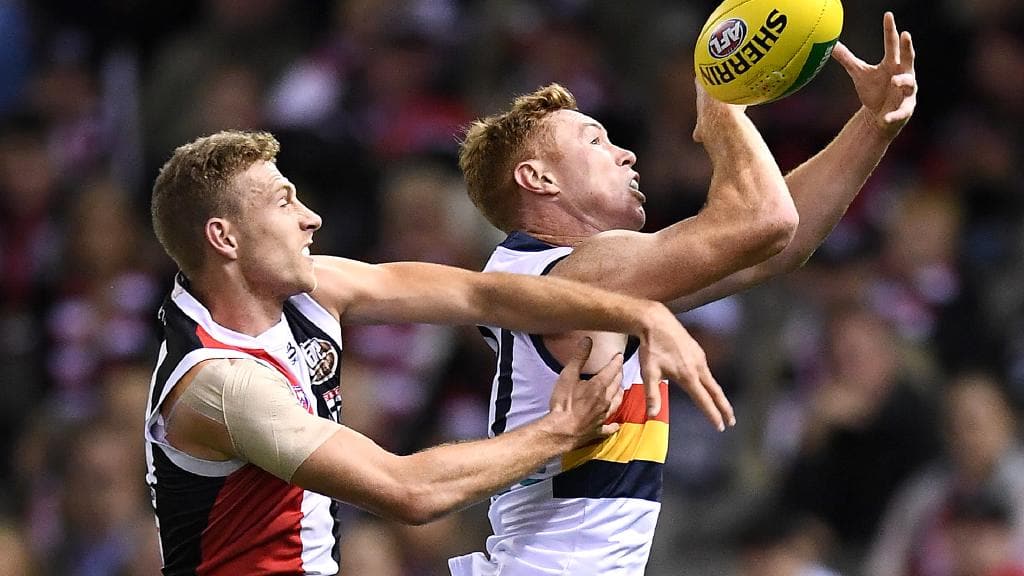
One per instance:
(557, 228)
(237, 308)
(558, 239)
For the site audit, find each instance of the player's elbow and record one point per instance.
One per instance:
(419, 515)
(411, 514)
(410, 496)
(418, 506)
(773, 229)
(400, 505)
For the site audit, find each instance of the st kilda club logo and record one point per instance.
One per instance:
(321, 358)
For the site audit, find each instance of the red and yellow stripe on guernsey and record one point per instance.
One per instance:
(625, 465)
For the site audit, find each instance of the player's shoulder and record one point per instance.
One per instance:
(222, 369)
(211, 375)
(611, 240)
(614, 235)
(337, 268)
(593, 258)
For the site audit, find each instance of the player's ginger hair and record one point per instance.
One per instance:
(194, 185)
(493, 146)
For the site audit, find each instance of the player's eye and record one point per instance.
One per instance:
(596, 140)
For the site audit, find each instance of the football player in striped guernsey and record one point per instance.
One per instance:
(570, 201)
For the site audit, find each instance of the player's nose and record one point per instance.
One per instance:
(626, 157)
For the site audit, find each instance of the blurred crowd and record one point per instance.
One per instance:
(877, 389)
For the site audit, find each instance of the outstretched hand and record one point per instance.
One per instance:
(887, 89)
(588, 403)
(668, 351)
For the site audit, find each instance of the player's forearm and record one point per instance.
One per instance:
(551, 305)
(824, 186)
(402, 292)
(822, 189)
(748, 218)
(418, 488)
(748, 194)
(447, 478)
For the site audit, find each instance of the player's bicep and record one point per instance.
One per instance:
(353, 468)
(401, 292)
(362, 293)
(627, 262)
(606, 260)
(662, 266)
(349, 288)
(266, 423)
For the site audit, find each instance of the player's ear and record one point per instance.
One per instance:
(220, 234)
(532, 175)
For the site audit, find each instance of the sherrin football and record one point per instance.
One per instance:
(756, 51)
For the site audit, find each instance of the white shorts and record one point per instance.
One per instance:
(537, 535)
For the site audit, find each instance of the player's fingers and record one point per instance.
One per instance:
(580, 356)
(610, 374)
(906, 81)
(614, 401)
(907, 85)
(892, 38)
(846, 58)
(718, 396)
(609, 429)
(652, 390)
(902, 113)
(707, 405)
(907, 51)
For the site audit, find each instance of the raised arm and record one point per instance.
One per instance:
(824, 186)
(247, 411)
(749, 216)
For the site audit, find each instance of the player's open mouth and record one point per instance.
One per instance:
(634, 187)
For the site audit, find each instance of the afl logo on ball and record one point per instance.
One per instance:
(727, 38)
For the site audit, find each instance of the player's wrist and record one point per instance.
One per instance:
(643, 319)
(654, 316)
(875, 128)
(559, 430)
(730, 137)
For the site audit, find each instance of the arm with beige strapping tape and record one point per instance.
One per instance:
(257, 412)
(241, 409)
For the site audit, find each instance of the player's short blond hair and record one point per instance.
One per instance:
(493, 146)
(195, 185)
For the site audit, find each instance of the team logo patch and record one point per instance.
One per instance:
(321, 358)
(727, 38)
(332, 399)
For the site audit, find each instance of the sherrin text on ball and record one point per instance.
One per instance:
(756, 51)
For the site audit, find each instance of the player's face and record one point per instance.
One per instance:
(274, 232)
(597, 181)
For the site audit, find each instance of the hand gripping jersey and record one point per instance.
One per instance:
(231, 517)
(592, 511)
